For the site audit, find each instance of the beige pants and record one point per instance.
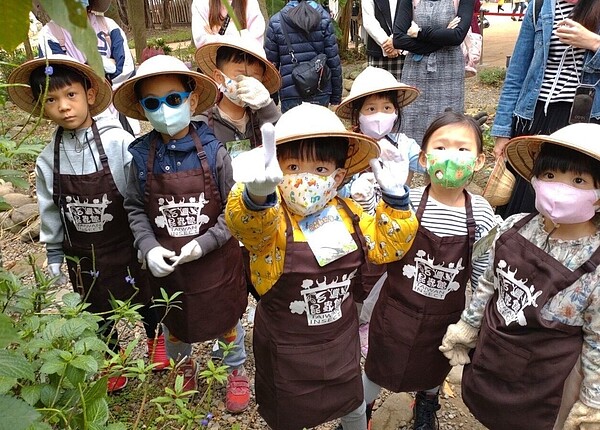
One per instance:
(570, 394)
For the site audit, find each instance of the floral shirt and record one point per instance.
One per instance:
(577, 305)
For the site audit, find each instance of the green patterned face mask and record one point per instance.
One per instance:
(451, 169)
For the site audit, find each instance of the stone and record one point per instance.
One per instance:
(395, 410)
(23, 214)
(6, 223)
(355, 73)
(6, 188)
(17, 199)
(32, 232)
(348, 84)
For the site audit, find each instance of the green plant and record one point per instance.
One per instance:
(8, 62)
(160, 44)
(493, 76)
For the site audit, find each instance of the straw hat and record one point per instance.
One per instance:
(522, 151)
(126, 102)
(500, 184)
(100, 5)
(315, 121)
(374, 80)
(23, 97)
(206, 57)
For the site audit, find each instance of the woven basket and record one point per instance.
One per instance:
(500, 184)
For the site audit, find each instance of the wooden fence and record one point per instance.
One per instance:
(181, 12)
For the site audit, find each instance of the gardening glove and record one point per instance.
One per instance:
(259, 168)
(582, 417)
(56, 272)
(189, 252)
(391, 172)
(459, 339)
(251, 91)
(363, 191)
(156, 261)
(109, 65)
(481, 118)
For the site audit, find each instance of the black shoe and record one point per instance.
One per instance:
(426, 406)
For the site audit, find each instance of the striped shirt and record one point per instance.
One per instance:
(565, 79)
(445, 220)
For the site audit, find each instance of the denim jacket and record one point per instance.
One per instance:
(526, 71)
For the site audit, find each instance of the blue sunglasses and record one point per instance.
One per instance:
(173, 100)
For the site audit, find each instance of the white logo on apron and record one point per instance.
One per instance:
(513, 295)
(88, 217)
(183, 218)
(323, 302)
(432, 280)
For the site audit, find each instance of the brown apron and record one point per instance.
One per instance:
(182, 206)
(423, 294)
(306, 345)
(521, 360)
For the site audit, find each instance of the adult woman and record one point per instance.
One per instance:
(210, 20)
(432, 32)
(551, 60)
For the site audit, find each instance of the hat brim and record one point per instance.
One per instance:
(406, 95)
(361, 148)
(22, 96)
(126, 101)
(500, 185)
(206, 58)
(522, 151)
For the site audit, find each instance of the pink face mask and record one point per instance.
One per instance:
(564, 204)
(378, 124)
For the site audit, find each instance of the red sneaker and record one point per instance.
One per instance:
(188, 370)
(116, 383)
(158, 353)
(238, 392)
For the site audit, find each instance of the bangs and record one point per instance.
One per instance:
(61, 77)
(562, 159)
(328, 149)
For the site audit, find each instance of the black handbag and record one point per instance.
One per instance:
(310, 77)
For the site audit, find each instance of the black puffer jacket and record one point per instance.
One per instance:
(322, 38)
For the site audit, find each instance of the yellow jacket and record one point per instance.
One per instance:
(389, 234)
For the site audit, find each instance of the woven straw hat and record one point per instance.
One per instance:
(100, 5)
(500, 184)
(126, 102)
(315, 121)
(522, 151)
(375, 80)
(23, 97)
(206, 57)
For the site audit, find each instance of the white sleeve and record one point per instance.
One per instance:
(51, 229)
(370, 23)
(255, 21)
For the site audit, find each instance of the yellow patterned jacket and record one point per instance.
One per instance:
(388, 234)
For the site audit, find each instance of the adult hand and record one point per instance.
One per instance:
(582, 416)
(499, 146)
(413, 30)
(388, 47)
(156, 261)
(391, 172)
(55, 270)
(454, 23)
(189, 252)
(459, 339)
(259, 168)
(252, 92)
(574, 34)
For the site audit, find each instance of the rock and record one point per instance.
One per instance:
(355, 73)
(23, 214)
(393, 412)
(22, 267)
(17, 199)
(455, 375)
(6, 188)
(32, 232)
(6, 223)
(348, 84)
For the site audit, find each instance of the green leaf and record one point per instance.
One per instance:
(85, 362)
(88, 344)
(97, 412)
(76, 23)
(15, 366)
(16, 414)
(8, 333)
(31, 394)
(7, 383)
(40, 426)
(74, 375)
(116, 426)
(71, 300)
(14, 23)
(52, 367)
(96, 391)
(73, 328)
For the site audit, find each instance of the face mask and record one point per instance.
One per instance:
(85, 3)
(451, 169)
(564, 204)
(307, 193)
(169, 120)
(229, 90)
(377, 125)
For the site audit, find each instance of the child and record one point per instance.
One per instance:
(83, 172)
(535, 310)
(306, 246)
(425, 292)
(179, 180)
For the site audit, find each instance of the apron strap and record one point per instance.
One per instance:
(356, 224)
(100, 147)
(208, 181)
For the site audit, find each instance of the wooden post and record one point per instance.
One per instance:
(481, 27)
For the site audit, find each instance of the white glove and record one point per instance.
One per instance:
(251, 91)
(363, 192)
(56, 272)
(259, 168)
(391, 172)
(582, 417)
(109, 65)
(189, 252)
(459, 339)
(156, 261)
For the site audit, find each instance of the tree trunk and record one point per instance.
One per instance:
(148, 15)
(28, 50)
(138, 25)
(39, 12)
(121, 7)
(344, 23)
(166, 21)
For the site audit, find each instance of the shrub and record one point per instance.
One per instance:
(493, 76)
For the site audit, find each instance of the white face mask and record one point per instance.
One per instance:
(169, 120)
(229, 90)
(377, 125)
(307, 193)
